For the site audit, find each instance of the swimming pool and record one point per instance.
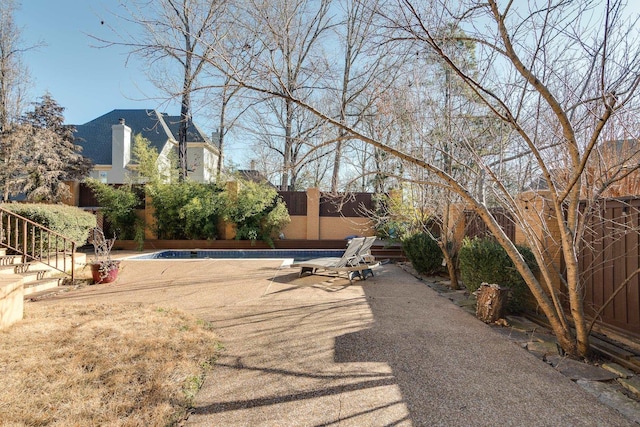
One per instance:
(289, 254)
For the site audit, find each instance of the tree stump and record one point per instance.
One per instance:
(491, 302)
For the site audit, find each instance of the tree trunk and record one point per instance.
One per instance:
(335, 175)
(223, 111)
(185, 115)
(288, 142)
(451, 270)
(492, 300)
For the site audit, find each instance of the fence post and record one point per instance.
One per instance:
(149, 218)
(228, 230)
(313, 214)
(540, 218)
(73, 262)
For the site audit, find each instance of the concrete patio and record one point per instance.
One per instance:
(314, 351)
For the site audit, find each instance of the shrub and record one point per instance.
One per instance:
(187, 210)
(119, 208)
(275, 219)
(191, 210)
(393, 217)
(484, 260)
(70, 221)
(423, 252)
(257, 211)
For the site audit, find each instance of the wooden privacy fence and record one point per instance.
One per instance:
(296, 201)
(475, 227)
(351, 205)
(314, 215)
(608, 256)
(348, 205)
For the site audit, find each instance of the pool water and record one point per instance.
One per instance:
(296, 254)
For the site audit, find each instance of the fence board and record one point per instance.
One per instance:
(632, 293)
(475, 226)
(608, 258)
(585, 263)
(619, 304)
(296, 202)
(348, 205)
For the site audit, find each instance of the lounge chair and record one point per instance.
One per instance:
(350, 263)
(364, 255)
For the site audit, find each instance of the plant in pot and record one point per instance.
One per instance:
(103, 268)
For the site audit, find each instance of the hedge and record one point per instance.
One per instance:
(69, 221)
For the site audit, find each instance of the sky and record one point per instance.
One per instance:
(87, 81)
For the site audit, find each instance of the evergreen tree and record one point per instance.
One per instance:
(48, 155)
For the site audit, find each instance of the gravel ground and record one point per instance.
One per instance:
(315, 351)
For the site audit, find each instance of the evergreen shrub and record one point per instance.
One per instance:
(257, 211)
(119, 208)
(187, 210)
(484, 260)
(423, 252)
(69, 221)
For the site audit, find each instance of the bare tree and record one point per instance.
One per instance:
(225, 123)
(177, 38)
(366, 71)
(235, 55)
(305, 149)
(14, 79)
(568, 69)
(558, 74)
(14, 75)
(287, 36)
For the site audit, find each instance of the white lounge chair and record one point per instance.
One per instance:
(350, 262)
(364, 255)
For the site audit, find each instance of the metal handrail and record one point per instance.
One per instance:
(36, 242)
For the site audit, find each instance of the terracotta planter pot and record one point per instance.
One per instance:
(100, 277)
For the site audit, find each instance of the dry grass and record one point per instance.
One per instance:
(113, 365)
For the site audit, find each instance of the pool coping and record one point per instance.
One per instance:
(287, 258)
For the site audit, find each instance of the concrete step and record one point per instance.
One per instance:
(392, 253)
(61, 262)
(30, 274)
(9, 262)
(391, 258)
(10, 259)
(39, 279)
(8, 269)
(41, 286)
(51, 291)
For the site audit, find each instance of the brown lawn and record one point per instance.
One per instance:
(119, 365)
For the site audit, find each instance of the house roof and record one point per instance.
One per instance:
(95, 135)
(254, 175)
